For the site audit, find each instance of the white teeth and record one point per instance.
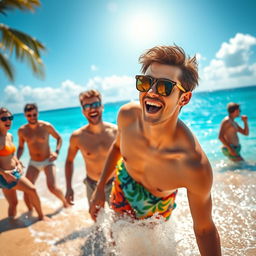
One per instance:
(94, 114)
(153, 104)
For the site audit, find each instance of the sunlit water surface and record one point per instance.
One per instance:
(72, 232)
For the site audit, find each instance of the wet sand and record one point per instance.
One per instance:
(15, 238)
(26, 235)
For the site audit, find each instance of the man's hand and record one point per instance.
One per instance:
(244, 118)
(8, 176)
(70, 196)
(97, 202)
(20, 167)
(53, 156)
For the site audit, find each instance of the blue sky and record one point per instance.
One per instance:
(96, 44)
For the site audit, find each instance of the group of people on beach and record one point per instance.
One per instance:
(136, 166)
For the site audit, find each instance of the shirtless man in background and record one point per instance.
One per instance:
(94, 141)
(36, 134)
(228, 132)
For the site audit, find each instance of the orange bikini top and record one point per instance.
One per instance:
(7, 150)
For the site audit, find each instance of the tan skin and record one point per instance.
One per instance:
(94, 141)
(36, 134)
(229, 130)
(163, 161)
(7, 165)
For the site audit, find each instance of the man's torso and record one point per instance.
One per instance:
(230, 132)
(37, 140)
(94, 148)
(160, 171)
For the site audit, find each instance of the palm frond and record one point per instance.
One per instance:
(25, 47)
(6, 66)
(23, 5)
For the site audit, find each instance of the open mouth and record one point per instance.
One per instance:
(93, 114)
(7, 125)
(152, 107)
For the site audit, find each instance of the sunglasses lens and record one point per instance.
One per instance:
(143, 83)
(4, 119)
(164, 88)
(10, 118)
(95, 104)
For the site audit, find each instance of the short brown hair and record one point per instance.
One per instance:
(89, 94)
(30, 106)
(175, 56)
(4, 111)
(232, 107)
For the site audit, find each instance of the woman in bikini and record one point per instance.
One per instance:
(11, 178)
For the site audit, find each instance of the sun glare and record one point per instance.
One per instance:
(142, 28)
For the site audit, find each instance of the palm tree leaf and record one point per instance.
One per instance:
(25, 47)
(6, 66)
(23, 5)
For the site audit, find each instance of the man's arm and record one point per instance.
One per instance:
(200, 202)
(69, 167)
(245, 130)
(57, 136)
(98, 197)
(21, 144)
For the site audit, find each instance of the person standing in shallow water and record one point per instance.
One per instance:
(36, 134)
(160, 154)
(11, 178)
(228, 132)
(93, 141)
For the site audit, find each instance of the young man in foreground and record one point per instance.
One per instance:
(160, 154)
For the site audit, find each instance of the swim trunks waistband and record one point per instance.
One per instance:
(40, 165)
(226, 152)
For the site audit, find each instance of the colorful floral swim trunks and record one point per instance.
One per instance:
(128, 196)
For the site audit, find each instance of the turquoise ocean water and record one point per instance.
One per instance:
(234, 201)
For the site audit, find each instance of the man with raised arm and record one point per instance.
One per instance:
(228, 132)
(94, 141)
(160, 154)
(36, 134)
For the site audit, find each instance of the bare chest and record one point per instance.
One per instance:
(95, 146)
(39, 135)
(158, 170)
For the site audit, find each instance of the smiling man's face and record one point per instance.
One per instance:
(93, 113)
(157, 108)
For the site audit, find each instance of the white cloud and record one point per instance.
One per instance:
(232, 66)
(114, 88)
(200, 57)
(94, 68)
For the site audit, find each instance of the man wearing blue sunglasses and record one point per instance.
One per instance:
(159, 152)
(93, 140)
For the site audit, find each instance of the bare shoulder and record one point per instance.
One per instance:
(225, 122)
(110, 128)
(44, 124)
(79, 132)
(22, 129)
(128, 113)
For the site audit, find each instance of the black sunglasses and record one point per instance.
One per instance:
(95, 104)
(5, 118)
(163, 86)
(30, 115)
